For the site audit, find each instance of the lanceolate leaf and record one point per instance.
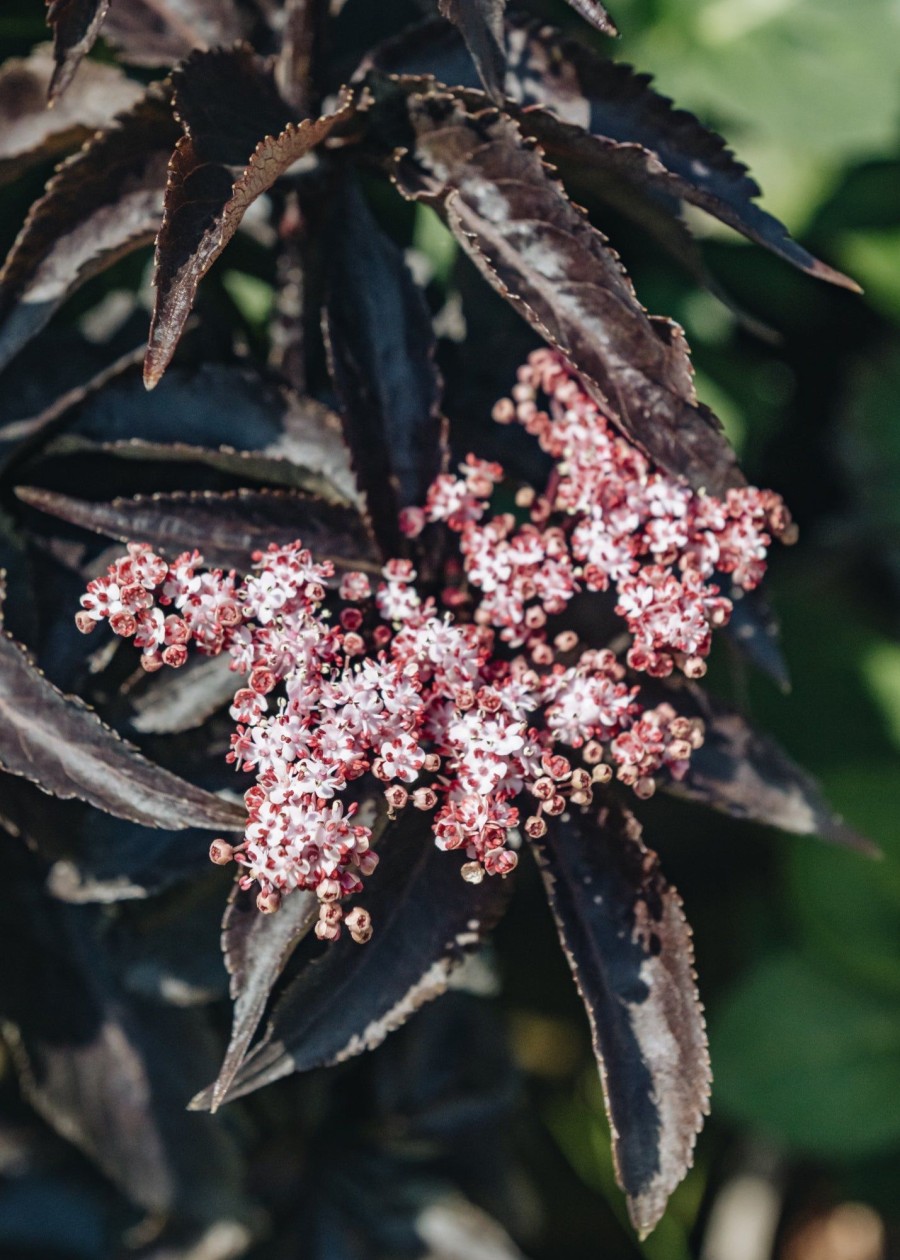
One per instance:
(624, 933)
(481, 25)
(256, 948)
(426, 917)
(30, 132)
(609, 132)
(748, 775)
(542, 254)
(226, 528)
(75, 25)
(162, 32)
(238, 140)
(100, 205)
(59, 744)
(381, 355)
(595, 13)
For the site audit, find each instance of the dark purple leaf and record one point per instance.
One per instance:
(56, 742)
(625, 936)
(161, 32)
(595, 13)
(754, 630)
(256, 948)
(541, 253)
(481, 25)
(609, 132)
(75, 25)
(238, 140)
(182, 699)
(301, 35)
(97, 1064)
(30, 132)
(426, 918)
(226, 528)
(100, 205)
(748, 775)
(381, 356)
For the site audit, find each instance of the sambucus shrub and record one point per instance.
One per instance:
(451, 645)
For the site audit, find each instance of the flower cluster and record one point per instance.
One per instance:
(461, 712)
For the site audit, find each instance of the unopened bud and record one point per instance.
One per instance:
(85, 622)
(592, 752)
(122, 623)
(175, 655)
(367, 863)
(268, 901)
(327, 931)
(472, 872)
(501, 861)
(504, 411)
(694, 667)
(151, 662)
(581, 780)
(525, 497)
(543, 788)
(555, 805)
(396, 796)
(221, 852)
(359, 925)
(432, 763)
(535, 827)
(644, 788)
(566, 641)
(328, 890)
(424, 798)
(580, 798)
(262, 681)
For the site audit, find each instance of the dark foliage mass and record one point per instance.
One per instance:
(271, 129)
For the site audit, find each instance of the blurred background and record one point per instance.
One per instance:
(798, 945)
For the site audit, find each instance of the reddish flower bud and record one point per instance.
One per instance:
(268, 901)
(351, 619)
(543, 788)
(85, 622)
(555, 805)
(122, 623)
(221, 852)
(601, 774)
(535, 827)
(424, 798)
(396, 796)
(262, 681)
(359, 924)
(175, 655)
(501, 861)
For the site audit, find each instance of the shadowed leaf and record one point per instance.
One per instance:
(30, 132)
(227, 528)
(629, 947)
(481, 25)
(753, 628)
(238, 140)
(542, 254)
(381, 356)
(92, 1060)
(748, 775)
(56, 742)
(182, 699)
(426, 918)
(161, 32)
(75, 25)
(101, 204)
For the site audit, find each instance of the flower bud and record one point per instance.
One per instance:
(472, 872)
(396, 796)
(601, 774)
(175, 655)
(501, 861)
(262, 681)
(122, 623)
(543, 788)
(221, 852)
(328, 890)
(151, 661)
(555, 805)
(268, 900)
(359, 925)
(424, 798)
(85, 622)
(327, 931)
(432, 763)
(535, 827)
(644, 788)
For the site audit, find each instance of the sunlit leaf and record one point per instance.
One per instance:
(629, 947)
(541, 253)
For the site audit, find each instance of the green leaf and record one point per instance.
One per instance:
(808, 1060)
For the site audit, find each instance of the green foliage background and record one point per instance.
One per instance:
(798, 946)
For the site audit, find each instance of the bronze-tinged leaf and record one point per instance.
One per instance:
(301, 36)
(426, 918)
(162, 32)
(256, 948)
(595, 13)
(481, 25)
(754, 630)
(226, 101)
(748, 775)
(182, 699)
(541, 253)
(609, 132)
(56, 742)
(75, 25)
(226, 528)
(381, 357)
(30, 132)
(623, 931)
(101, 204)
